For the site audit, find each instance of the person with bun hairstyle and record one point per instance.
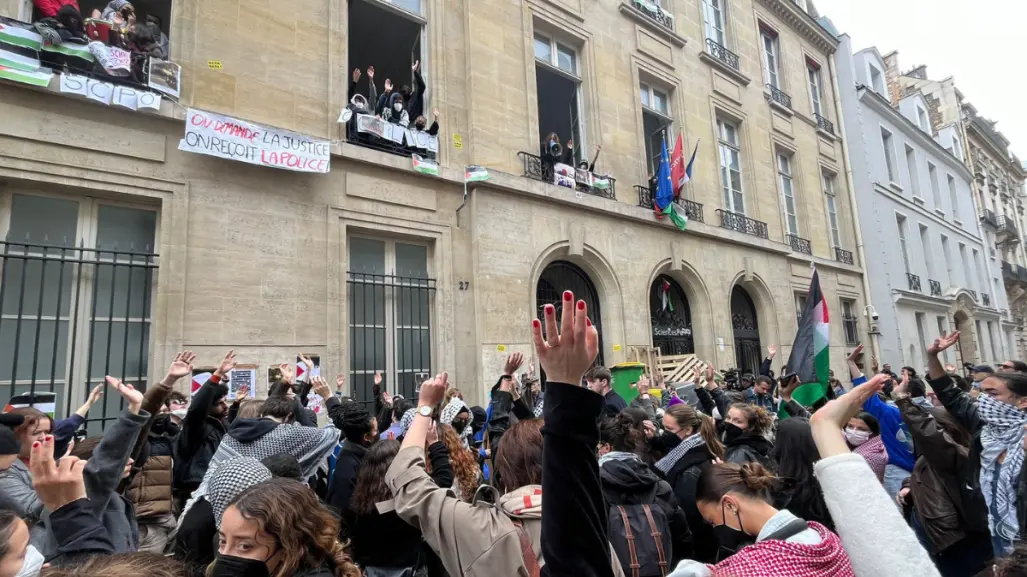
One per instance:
(628, 481)
(744, 427)
(760, 539)
(279, 524)
(693, 443)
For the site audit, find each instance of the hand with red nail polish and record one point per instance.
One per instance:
(566, 353)
(56, 484)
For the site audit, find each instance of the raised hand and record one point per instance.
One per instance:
(388, 85)
(433, 390)
(436, 113)
(182, 366)
(709, 374)
(417, 64)
(95, 395)
(854, 355)
(513, 362)
(242, 391)
(288, 374)
(377, 377)
(356, 74)
(771, 350)
(387, 398)
(567, 354)
(227, 364)
(649, 428)
(370, 72)
(133, 397)
(943, 342)
(643, 386)
(306, 361)
(829, 421)
(56, 485)
(321, 387)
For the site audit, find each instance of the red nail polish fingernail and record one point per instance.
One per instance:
(550, 309)
(588, 321)
(567, 295)
(35, 445)
(581, 305)
(536, 324)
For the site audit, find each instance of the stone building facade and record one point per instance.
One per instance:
(928, 261)
(376, 267)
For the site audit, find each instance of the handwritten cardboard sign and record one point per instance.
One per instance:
(107, 93)
(233, 139)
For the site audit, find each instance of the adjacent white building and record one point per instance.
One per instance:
(928, 264)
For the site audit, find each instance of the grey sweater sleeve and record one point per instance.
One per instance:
(104, 469)
(881, 544)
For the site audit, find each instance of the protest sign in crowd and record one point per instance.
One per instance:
(759, 475)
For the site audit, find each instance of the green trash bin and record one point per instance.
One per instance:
(625, 375)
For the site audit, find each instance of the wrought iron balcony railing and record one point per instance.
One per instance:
(800, 244)
(824, 124)
(656, 14)
(913, 281)
(973, 293)
(988, 218)
(1007, 225)
(693, 210)
(935, 287)
(723, 54)
(780, 96)
(742, 223)
(842, 255)
(986, 299)
(538, 169)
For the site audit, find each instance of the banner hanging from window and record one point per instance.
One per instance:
(227, 137)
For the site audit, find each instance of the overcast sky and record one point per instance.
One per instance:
(982, 43)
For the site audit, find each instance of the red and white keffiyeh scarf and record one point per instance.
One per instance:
(787, 559)
(875, 454)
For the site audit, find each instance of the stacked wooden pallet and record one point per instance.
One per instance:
(673, 368)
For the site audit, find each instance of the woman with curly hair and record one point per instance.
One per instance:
(745, 434)
(466, 474)
(278, 528)
(378, 556)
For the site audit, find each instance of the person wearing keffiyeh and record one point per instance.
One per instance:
(458, 415)
(863, 435)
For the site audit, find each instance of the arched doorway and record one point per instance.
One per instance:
(671, 317)
(746, 331)
(559, 276)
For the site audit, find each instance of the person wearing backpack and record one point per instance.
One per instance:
(646, 527)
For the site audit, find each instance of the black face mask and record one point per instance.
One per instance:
(670, 440)
(459, 425)
(729, 539)
(230, 566)
(732, 432)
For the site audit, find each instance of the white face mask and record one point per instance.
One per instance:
(397, 106)
(180, 413)
(33, 563)
(856, 437)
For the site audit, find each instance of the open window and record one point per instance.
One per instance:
(656, 123)
(388, 35)
(159, 11)
(558, 83)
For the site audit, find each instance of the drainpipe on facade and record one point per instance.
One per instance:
(852, 204)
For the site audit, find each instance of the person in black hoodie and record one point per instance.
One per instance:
(743, 427)
(359, 430)
(202, 430)
(628, 480)
(691, 443)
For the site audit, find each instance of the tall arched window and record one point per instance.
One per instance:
(748, 352)
(559, 276)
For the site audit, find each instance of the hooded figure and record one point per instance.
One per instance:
(458, 415)
(395, 111)
(115, 6)
(232, 478)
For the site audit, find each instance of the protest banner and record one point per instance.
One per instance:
(242, 376)
(115, 61)
(233, 139)
(164, 77)
(107, 93)
(397, 133)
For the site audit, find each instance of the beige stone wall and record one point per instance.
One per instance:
(255, 259)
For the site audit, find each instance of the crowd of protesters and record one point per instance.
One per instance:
(893, 476)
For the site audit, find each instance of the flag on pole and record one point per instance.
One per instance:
(425, 166)
(475, 173)
(677, 167)
(663, 204)
(810, 357)
(691, 163)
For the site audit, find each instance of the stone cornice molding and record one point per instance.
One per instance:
(794, 16)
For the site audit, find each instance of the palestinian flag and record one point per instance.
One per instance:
(810, 357)
(39, 77)
(13, 33)
(475, 173)
(425, 166)
(44, 401)
(19, 58)
(71, 54)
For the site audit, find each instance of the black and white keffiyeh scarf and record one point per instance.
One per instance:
(450, 411)
(1002, 433)
(230, 480)
(670, 459)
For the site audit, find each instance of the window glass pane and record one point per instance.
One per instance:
(411, 260)
(366, 255)
(543, 51)
(408, 5)
(40, 220)
(566, 59)
(130, 280)
(660, 101)
(645, 95)
(47, 360)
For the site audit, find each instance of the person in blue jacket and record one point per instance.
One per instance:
(897, 440)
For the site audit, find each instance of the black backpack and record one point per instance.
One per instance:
(640, 534)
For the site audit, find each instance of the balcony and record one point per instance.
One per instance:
(973, 293)
(690, 208)
(723, 55)
(986, 299)
(913, 281)
(742, 224)
(988, 218)
(824, 124)
(1007, 231)
(800, 244)
(655, 13)
(843, 256)
(566, 176)
(779, 96)
(935, 287)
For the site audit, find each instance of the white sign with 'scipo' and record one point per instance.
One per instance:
(108, 93)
